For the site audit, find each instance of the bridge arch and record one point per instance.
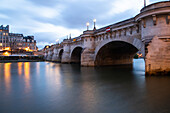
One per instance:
(76, 54)
(60, 54)
(116, 52)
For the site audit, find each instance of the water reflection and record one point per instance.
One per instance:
(139, 69)
(38, 68)
(89, 94)
(27, 76)
(40, 87)
(19, 68)
(27, 70)
(7, 72)
(56, 70)
(47, 68)
(53, 75)
(68, 71)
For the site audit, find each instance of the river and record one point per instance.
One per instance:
(45, 87)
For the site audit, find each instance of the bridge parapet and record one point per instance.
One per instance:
(163, 4)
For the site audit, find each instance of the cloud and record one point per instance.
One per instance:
(2, 16)
(53, 20)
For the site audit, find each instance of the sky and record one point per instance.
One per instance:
(51, 21)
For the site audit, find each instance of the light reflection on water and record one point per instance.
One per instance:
(20, 68)
(27, 76)
(7, 74)
(63, 88)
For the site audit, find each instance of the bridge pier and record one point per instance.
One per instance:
(87, 57)
(66, 51)
(45, 54)
(88, 54)
(155, 32)
(55, 57)
(157, 60)
(49, 56)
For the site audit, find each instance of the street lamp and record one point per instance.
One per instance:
(94, 20)
(144, 3)
(87, 24)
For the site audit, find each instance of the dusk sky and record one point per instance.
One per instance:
(51, 20)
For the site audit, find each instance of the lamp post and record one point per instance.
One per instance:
(144, 3)
(87, 24)
(94, 20)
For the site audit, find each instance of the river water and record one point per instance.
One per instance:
(44, 87)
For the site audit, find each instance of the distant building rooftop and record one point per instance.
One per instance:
(4, 28)
(15, 34)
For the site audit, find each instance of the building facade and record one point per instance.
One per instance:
(29, 41)
(15, 41)
(4, 35)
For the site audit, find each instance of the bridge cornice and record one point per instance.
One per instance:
(154, 9)
(88, 33)
(116, 25)
(155, 6)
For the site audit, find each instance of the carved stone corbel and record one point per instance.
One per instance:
(112, 34)
(103, 36)
(120, 33)
(124, 32)
(144, 23)
(115, 34)
(137, 28)
(107, 35)
(130, 29)
(168, 19)
(154, 19)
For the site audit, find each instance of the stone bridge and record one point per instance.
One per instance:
(147, 32)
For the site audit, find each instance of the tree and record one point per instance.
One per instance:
(12, 44)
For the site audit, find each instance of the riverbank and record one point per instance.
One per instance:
(4, 59)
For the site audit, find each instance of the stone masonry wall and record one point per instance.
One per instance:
(157, 61)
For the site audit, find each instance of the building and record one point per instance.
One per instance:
(15, 41)
(29, 41)
(4, 35)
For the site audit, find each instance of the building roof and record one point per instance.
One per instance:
(15, 34)
(29, 37)
(4, 28)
